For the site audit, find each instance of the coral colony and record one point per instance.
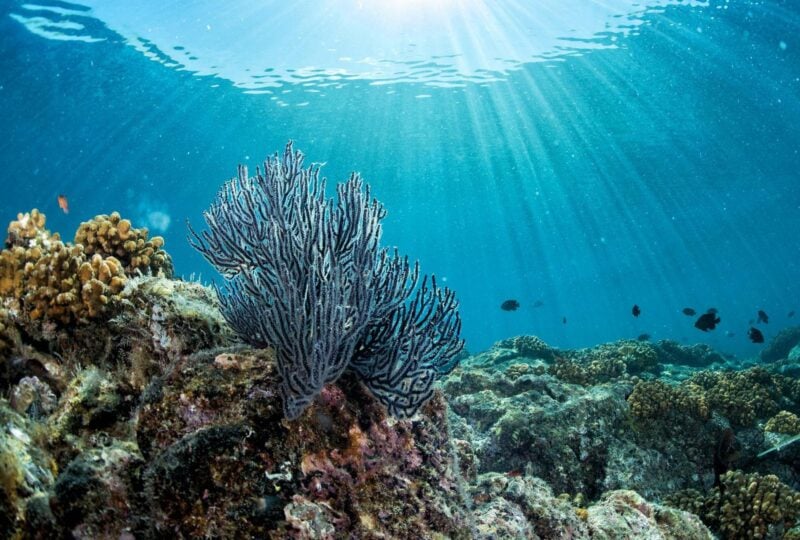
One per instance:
(307, 275)
(129, 408)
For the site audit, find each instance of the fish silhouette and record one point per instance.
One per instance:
(755, 335)
(510, 305)
(707, 321)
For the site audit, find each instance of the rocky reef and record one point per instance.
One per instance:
(618, 417)
(129, 410)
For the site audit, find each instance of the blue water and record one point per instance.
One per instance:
(590, 156)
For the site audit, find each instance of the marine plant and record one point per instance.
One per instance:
(306, 275)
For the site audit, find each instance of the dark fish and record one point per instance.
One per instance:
(636, 311)
(510, 305)
(725, 454)
(763, 317)
(791, 314)
(643, 337)
(755, 335)
(712, 310)
(729, 333)
(707, 321)
(564, 320)
(689, 312)
(538, 303)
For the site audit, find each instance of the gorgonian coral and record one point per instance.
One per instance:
(306, 275)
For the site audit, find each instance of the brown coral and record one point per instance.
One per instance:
(51, 280)
(784, 422)
(742, 396)
(532, 347)
(744, 506)
(652, 400)
(28, 229)
(112, 236)
(594, 372)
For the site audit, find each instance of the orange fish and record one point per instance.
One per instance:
(63, 203)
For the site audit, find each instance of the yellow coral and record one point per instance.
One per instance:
(744, 506)
(27, 229)
(112, 236)
(49, 280)
(784, 422)
(652, 400)
(742, 396)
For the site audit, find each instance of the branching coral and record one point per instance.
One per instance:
(43, 278)
(112, 236)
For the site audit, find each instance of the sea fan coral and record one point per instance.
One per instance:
(307, 276)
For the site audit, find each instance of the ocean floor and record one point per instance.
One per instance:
(128, 410)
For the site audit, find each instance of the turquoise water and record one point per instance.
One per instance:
(586, 155)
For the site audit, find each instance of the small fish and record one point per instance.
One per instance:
(515, 473)
(763, 317)
(564, 320)
(510, 305)
(712, 310)
(755, 335)
(538, 303)
(643, 337)
(790, 314)
(63, 203)
(707, 321)
(636, 311)
(689, 312)
(729, 333)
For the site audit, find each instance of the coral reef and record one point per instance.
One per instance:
(784, 422)
(611, 432)
(525, 507)
(657, 400)
(744, 396)
(578, 439)
(149, 420)
(42, 279)
(746, 506)
(25, 469)
(215, 447)
(595, 371)
(529, 347)
(604, 363)
(113, 236)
